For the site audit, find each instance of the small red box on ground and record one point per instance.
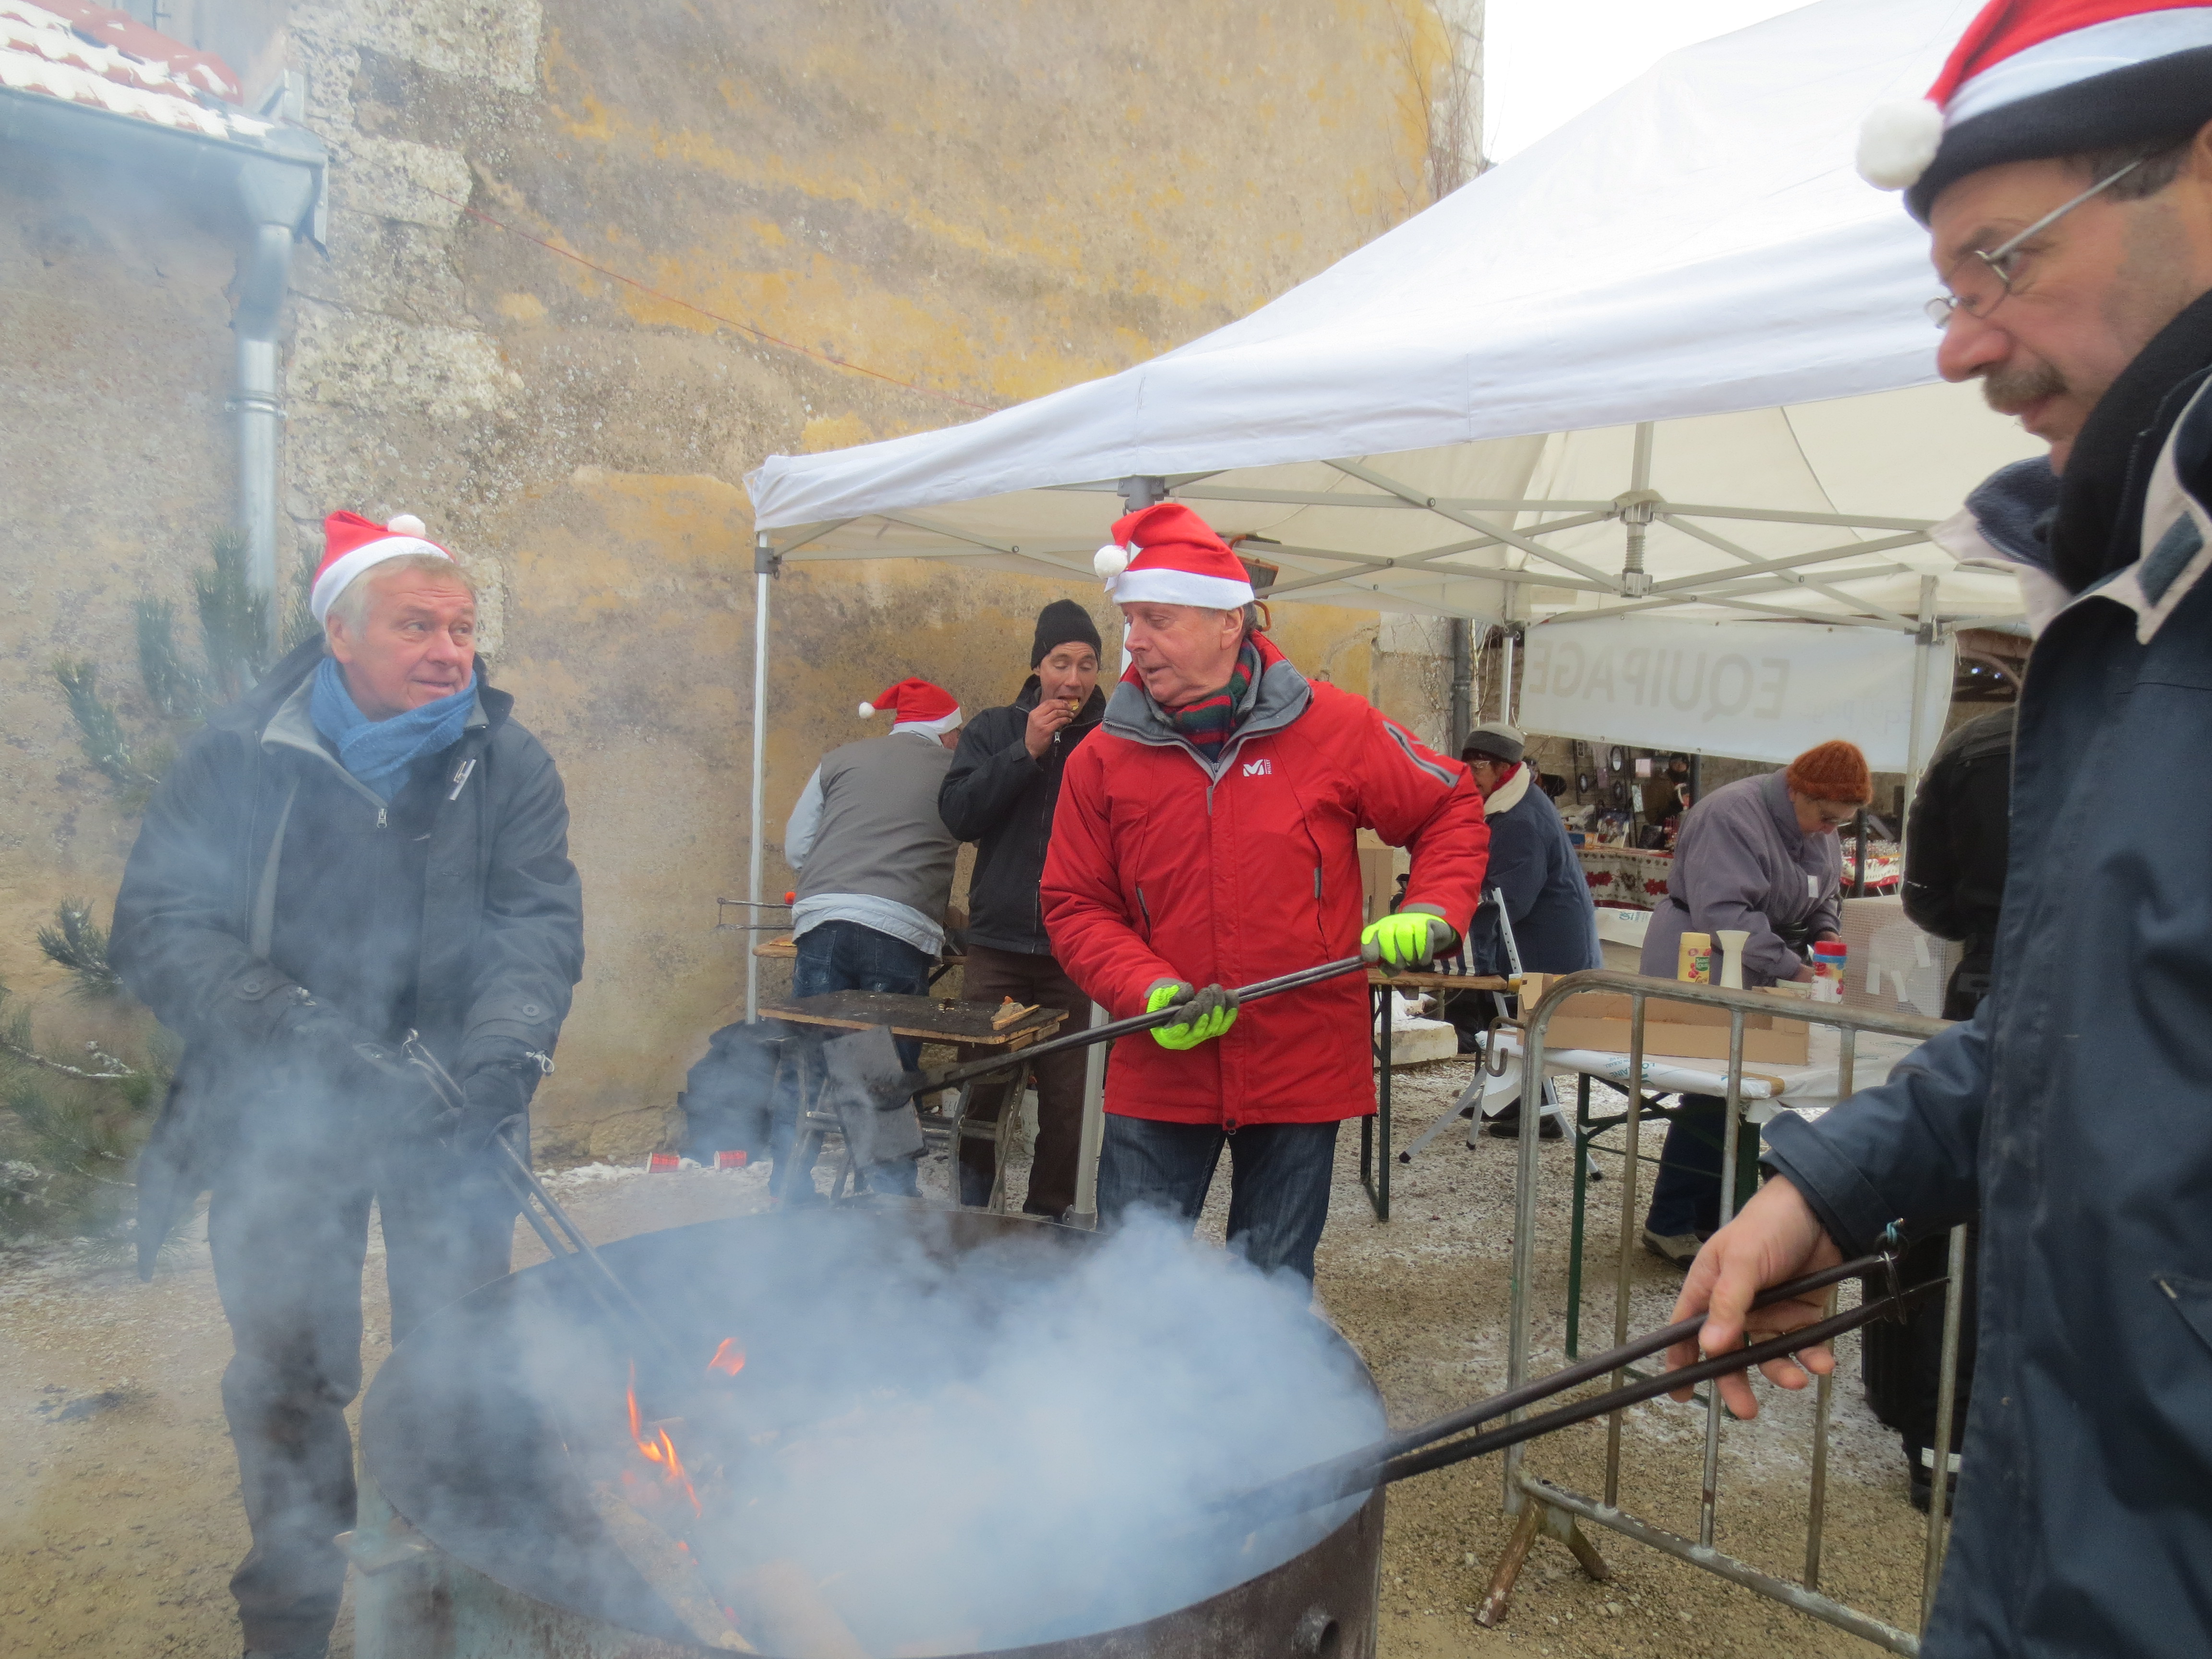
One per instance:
(663, 1163)
(730, 1160)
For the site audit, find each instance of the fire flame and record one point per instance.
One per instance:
(660, 1450)
(729, 1359)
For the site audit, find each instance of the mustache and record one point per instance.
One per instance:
(2008, 390)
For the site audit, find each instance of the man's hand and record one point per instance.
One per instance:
(493, 1097)
(1407, 938)
(1206, 1014)
(1045, 722)
(1775, 1238)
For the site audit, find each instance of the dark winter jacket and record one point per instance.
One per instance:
(452, 910)
(1001, 798)
(1547, 899)
(1954, 850)
(2072, 1108)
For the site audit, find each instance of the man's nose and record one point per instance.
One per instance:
(1971, 346)
(446, 647)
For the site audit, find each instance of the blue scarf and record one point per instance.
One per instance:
(379, 752)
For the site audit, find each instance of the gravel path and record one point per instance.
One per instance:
(118, 1509)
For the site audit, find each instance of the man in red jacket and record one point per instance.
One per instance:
(1206, 835)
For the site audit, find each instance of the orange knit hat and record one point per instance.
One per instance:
(1834, 770)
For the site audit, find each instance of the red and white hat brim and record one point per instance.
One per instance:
(936, 728)
(2118, 44)
(1138, 586)
(340, 573)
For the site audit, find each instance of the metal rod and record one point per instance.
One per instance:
(1624, 1269)
(761, 559)
(1947, 1403)
(1093, 1141)
(1731, 1131)
(1816, 1510)
(924, 1082)
(1784, 1346)
(1923, 652)
(1354, 1470)
(1803, 1599)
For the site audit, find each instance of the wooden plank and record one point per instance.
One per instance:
(932, 1019)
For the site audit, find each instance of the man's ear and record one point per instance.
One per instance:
(335, 640)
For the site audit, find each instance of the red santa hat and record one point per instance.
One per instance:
(1167, 554)
(916, 706)
(2031, 79)
(352, 544)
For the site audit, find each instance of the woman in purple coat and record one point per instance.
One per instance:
(1761, 855)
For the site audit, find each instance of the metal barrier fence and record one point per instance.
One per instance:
(1559, 1510)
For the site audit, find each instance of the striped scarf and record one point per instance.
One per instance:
(1208, 723)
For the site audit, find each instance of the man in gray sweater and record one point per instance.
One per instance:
(875, 873)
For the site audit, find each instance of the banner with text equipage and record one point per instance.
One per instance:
(1757, 690)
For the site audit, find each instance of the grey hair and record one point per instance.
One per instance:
(2163, 161)
(351, 606)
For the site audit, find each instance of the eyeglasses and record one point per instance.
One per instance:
(2002, 261)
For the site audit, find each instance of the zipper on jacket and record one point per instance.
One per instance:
(382, 817)
(1146, 911)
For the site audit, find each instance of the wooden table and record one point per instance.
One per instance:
(1374, 1172)
(928, 1019)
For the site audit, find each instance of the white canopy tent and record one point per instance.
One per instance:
(1672, 357)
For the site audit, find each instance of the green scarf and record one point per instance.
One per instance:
(1208, 723)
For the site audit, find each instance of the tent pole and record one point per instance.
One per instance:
(1923, 653)
(1506, 663)
(1085, 1212)
(764, 568)
(1462, 682)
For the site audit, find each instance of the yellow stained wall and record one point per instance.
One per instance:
(589, 263)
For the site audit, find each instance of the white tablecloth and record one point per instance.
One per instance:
(1812, 1086)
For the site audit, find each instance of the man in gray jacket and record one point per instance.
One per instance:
(875, 873)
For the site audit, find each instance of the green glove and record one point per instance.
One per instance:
(1407, 938)
(1210, 1014)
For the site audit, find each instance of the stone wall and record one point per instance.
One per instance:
(561, 238)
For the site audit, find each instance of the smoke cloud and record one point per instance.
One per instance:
(961, 1451)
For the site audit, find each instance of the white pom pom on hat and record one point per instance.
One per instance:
(405, 524)
(1110, 561)
(867, 709)
(1897, 142)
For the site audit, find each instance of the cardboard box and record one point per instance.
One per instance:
(1380, 867)
(1677, 1030)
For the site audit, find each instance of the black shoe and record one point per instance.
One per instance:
(1924, 1482)
(1506, 1126)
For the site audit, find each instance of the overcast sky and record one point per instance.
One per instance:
(1546, 61)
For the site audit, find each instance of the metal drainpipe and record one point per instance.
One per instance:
(275, 196)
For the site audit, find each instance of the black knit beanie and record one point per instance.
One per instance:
(1059, 622)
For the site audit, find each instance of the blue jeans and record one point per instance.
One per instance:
(843, 956)
(1278, 1178)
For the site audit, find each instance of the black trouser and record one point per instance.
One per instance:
(1901, 1364)
(990, 976)
(1686, 1198)
(289, 1228)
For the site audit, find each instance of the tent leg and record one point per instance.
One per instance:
(764, 563)
(1085, 1213)
(1923, 652)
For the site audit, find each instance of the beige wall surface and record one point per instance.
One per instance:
(988, 201)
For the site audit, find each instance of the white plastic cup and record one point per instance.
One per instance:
(1731, 941)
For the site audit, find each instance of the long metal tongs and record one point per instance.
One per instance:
(863, 1070)
(564, 1240)
(1431, 1445)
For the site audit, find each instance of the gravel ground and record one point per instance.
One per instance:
(118, 1509)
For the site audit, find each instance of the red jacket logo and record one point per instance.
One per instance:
(1259, 768)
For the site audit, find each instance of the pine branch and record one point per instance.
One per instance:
(98, 730)
(176, 690)
(77, 942)
(234, 618)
